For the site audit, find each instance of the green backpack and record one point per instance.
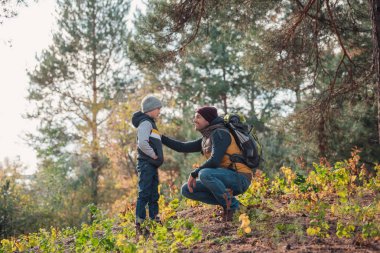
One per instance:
(246, 139)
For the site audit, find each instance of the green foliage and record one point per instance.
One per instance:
(344, 230)
(318, 225)
(330, 196)
(18, 213)
(213, 69)
(111, 234)
(311, 203)
(370, 230)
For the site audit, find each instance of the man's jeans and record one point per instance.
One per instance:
(148, 191)
(211, 187)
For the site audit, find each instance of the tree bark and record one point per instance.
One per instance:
(322, 139)
(224, 100)
(130, 158)
(95, 167)
(375, 11)
(298, 97)
(95, 159)
(252, 99)
(224, 96)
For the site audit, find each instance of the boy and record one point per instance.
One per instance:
(150, 157)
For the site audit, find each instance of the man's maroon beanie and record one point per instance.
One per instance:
(209, 113)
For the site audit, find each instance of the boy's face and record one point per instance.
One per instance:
(155, 113)
(199, 122)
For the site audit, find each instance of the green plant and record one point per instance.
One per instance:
(344, 230)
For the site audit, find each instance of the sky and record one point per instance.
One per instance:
(21, 39)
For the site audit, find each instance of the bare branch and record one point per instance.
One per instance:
(337, 32)
(300, 17)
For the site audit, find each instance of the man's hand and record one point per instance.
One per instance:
(191, 183)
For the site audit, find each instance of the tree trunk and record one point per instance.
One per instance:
(95, 159)
(322, 143)
(252, 100)
(298, 97)
(224, 96)
(375, 10)
(224, 100)
(95, 167)
(130, 158)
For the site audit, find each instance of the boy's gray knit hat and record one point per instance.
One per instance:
(149, 103)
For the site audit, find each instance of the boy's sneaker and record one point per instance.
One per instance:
(158, 220)
(141, 231)
(138, 230)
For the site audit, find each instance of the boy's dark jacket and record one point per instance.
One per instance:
(155, 143)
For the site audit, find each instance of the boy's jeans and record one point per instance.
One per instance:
(211, 186)
(148, 191)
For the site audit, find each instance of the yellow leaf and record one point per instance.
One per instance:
(245, 223)
(120, 239)
(243, 216)
(313, 230)
(247, 230)
(20, 247)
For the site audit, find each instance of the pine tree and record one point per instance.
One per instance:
(79, 75)
(9, 8)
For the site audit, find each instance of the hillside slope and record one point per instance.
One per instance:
(273, 230)
(329, 209)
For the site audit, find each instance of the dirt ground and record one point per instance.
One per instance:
(219, 236)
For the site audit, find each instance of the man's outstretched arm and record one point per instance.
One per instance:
(184, 147)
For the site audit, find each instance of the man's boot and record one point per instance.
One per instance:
(229, 214)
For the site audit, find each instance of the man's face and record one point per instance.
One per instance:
(199, 122)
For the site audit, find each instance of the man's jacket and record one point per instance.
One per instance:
(216, 144)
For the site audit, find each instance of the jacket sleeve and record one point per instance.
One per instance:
(184, 147)
(220, 141)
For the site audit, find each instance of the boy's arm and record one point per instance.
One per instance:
(184, 147)
(143, 133)
(220, 142)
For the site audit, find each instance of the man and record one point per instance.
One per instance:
(213, 181)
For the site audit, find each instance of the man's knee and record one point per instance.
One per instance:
(205, 175)
(185, 191)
